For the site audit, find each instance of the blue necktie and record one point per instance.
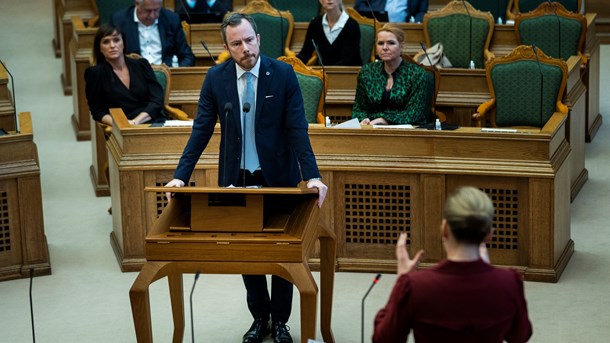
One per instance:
(251, 156)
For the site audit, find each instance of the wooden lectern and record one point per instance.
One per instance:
(237, 231)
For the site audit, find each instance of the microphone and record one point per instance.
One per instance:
(246, 110)
(541, 81)
(362, 311)
(13, 94)
(368, 3)
(315, 46)
(228, 108)
(32, 305)
(188, 16)
(471, 63)
(205, 46)
(423, 46)
(552, 5)
(191, 303)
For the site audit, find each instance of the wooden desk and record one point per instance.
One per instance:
(23, 244)
(396, 180)
(7, 108)
(281, 249)
(64, 11)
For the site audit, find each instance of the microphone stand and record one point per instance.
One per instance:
(368, 3)
(541, 82)
(471, 63)
(274, 5)
(246, 109)
(32, 305)
(228, 108)
(423, 46)
(315, 46)
(191, 301)
(362, 310)
(205, 46)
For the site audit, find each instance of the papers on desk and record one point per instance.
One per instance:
(177, 123)
(402, 126)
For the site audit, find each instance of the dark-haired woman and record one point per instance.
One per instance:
(117, 81)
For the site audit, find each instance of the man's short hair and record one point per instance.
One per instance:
(233, 19)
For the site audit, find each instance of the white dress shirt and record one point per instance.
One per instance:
(332, 34)
(397, 10)
(150, 40)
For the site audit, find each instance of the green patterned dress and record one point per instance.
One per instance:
(409, 99)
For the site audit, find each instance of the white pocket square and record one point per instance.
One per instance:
(268, 96)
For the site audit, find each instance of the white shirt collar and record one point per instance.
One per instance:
(339, 24)
(254, 70)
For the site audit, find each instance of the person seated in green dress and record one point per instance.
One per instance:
(391, 91)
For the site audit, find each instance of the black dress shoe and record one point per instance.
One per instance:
(280, 333)
(258, 331)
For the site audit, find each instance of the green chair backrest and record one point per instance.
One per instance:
(311, 90)
(367, 42)
(302, 10)
(519, 90)
(161, 78)
(530, 5)
(557, 38)
(273, 31)
(454, 32)
(107, 7)
(497, 8)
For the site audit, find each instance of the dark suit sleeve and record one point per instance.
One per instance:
(296, 127)
(350, 53)
(419, 9)
(93, 91)
(155, 104)
(180, 46)
(203, 128)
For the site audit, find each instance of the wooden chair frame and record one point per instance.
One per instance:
(517, 11)
(455, 7)
(520, 53)
(550, 9)
(301, 68)
(361, 20)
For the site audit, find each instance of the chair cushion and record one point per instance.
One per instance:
(302, 10)
(454, 32)
(544, 32)
(274, 31)
(518, 92)
(162, 79)
(311, 90)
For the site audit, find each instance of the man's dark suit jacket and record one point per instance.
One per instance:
(282, 141)
(173, 40)
(415, 8)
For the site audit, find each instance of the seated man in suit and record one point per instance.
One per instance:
(154, 33)
(203, 11)
(394, 11)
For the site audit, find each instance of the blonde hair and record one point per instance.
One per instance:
(469, 213)
(393, 29)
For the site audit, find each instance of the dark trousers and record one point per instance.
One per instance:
(279, 305)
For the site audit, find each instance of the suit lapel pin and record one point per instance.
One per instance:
(267, 73)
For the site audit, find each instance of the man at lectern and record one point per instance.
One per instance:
(264, 142)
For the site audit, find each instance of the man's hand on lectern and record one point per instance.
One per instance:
(322, 189)
(173, 183)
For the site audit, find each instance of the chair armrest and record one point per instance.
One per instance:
(223, 57)
(488, 56)
(289, 53)
(312, 61)
(320, 118)
(482, 111)
(561, 107)
(441, 116)
(176, 113)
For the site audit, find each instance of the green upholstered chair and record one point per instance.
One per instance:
(105, 8)
(313, 85)
(560, 36)
(520, 97)
(497, 8)
(523, 6)
(451, 27)
(367, 35)
(435, 75)
(302, 10)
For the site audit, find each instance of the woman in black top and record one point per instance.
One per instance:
(118, 81)
(336, 35)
